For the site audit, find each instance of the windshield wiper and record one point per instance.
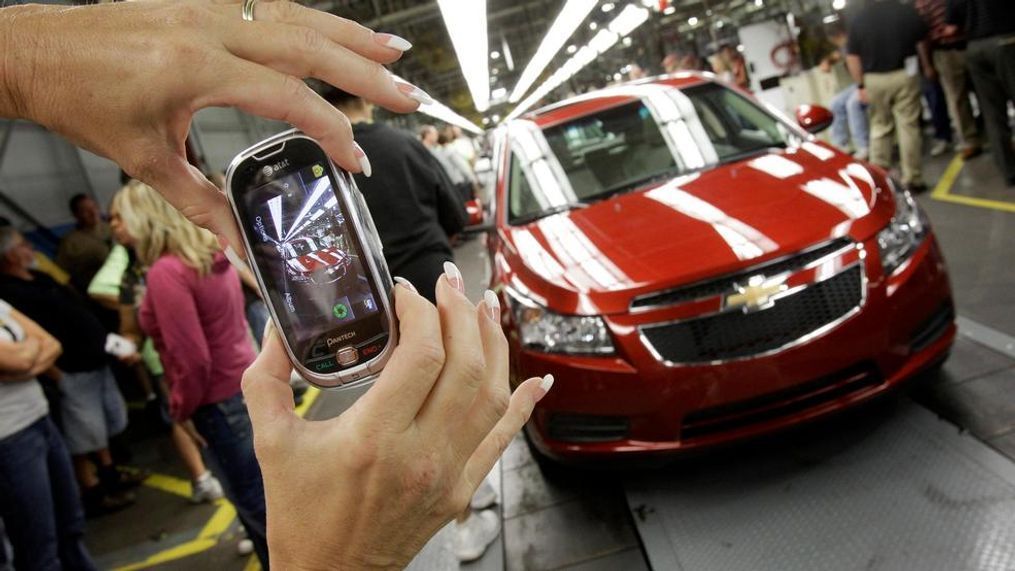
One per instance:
(749, 154)
(640, 183)
(548, 212)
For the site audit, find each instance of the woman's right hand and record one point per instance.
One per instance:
(407, 456)
(124, 80)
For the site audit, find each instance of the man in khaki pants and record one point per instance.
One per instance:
(882, 58)
(948, 45)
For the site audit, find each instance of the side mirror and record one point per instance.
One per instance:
(814, 118)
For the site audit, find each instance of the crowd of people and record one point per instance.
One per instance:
(905, 57)
(942, 50)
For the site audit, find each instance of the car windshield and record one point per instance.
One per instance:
(624, 148)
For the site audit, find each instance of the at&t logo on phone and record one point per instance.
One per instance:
(269, 170)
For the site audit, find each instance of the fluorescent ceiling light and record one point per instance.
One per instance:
(629, 18)
(603, 41)
(466, 24)
(570, 17)
(627, 21)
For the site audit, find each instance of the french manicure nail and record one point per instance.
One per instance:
(364, 162)
(454, 276)
(234, 258)
(405, 283)
(546, 383)
(267, 329)
(492, 304)
(394, 42)
(413, 92)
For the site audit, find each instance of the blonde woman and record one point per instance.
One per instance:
(193, 310)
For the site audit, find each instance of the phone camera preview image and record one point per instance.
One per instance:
(310, 260)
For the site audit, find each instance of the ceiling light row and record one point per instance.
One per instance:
(626, 22)
(570, 17)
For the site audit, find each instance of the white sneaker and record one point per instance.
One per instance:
(861, 154)
(484, 497)
(245, 547)
(476, 534)
(938, 148)
(206, 489)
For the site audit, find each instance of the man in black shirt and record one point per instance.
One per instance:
(411, 199)
(91, 406)
(882, 58)
(990, 27)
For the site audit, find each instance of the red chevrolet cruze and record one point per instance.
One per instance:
(694, 269)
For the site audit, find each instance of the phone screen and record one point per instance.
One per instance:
(309, 256)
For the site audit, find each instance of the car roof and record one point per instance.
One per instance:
(612, 96)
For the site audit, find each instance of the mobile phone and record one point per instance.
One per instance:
(317, 258)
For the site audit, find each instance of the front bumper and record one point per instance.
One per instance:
(631, 404)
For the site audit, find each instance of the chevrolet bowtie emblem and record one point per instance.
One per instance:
(756, 295)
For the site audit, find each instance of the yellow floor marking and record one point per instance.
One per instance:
(944, 186)
(220, 520)
(175, 486)
(252, 564)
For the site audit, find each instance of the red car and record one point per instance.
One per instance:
(319, 265)
(695, 269)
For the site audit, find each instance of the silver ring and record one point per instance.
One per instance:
(248, 10)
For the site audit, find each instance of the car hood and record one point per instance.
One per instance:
(593, 260)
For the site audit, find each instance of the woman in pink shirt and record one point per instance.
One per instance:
(194, 312)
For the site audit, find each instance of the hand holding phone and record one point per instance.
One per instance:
(317, 259)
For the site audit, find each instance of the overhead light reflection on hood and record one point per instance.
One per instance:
(848, 199)
(573, 247)
(777, 166)
(744, 240)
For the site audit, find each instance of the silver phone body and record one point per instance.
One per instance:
(369, 243)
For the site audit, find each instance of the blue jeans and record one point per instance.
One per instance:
(39, 501)
(938, 105)
(850, 118)
(226, 427)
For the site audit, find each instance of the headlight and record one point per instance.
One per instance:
(543, 330)
(904, 233)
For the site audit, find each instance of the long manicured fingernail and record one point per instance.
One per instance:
(546, 383)
(364, 162)
(405, 283)
(492, 304)
(454, 276)
(413, 92)
(268, 327)
(394, 42)
(234, 258)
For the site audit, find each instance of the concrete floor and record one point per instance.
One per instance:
(574, 520)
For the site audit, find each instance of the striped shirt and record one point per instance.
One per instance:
(935, 13)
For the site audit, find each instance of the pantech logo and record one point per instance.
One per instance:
(269, 170)
(341, 338)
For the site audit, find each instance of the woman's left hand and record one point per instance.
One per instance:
(124, 80)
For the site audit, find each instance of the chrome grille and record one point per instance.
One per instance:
(734, 334)
(724, 285)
